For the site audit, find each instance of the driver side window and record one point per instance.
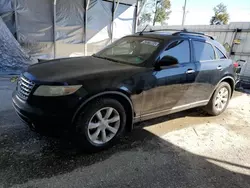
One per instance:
(123, 49)
(179, 49)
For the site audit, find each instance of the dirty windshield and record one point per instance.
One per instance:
(130, 50)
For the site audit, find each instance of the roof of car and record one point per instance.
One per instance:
(167, 35)
(156, 34)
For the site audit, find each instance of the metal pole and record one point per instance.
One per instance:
(54, 27)
(136, 16)
(86, 7)
(16, 25)
(85, 28)
(112, 21)
(114, 9)
(184, 12)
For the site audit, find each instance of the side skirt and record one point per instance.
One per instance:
(175, 109)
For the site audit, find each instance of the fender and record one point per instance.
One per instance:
(226, 77)
(101, 94)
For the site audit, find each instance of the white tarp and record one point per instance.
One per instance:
(46, 31)
(34, 21)
(12, 58)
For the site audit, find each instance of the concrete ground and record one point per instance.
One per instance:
(188, 149)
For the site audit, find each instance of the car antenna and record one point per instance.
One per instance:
(143, 30)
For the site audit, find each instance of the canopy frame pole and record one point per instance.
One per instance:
(54, 27)
(140, 7)
(136, 14)
(86, 7)
(16, 24)
(114, 9)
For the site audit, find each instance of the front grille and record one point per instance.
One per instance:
(24, 87)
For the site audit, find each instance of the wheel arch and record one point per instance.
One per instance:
(230, 80)
(123, 98)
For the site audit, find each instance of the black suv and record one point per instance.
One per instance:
(138, 77)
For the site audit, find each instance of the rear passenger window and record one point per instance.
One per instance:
(178, 49)
(203, 51)
(220, 54)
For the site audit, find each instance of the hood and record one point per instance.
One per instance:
(62, 70)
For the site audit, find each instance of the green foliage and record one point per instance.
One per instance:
(158, 10)
(14, 79)
(220, 15)
(145, 18)
(161, 15)
(162, 11)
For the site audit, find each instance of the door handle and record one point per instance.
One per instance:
(219, 67)
(190, 71)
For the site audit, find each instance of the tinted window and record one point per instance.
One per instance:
(203, 51)
(178, 49)
(220, 54)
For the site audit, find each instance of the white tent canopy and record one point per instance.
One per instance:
(50, 29)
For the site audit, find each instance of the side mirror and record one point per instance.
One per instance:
(167, 61)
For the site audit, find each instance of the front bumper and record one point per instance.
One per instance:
(47, 116)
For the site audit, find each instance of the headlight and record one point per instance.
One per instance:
(56, 90)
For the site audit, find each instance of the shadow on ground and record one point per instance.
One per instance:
(27, 156)
(244, 90)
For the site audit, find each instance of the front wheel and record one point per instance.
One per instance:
(100, 124)
(219, 100)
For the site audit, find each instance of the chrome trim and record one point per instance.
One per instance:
(190, 71)
(26, 80)
(178, 107)
(203, 61)
(219, 67)
(24, 87)
(25, 84)
(24, 92)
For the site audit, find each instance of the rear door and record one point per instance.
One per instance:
(209, 70)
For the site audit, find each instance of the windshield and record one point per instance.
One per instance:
(132, 50)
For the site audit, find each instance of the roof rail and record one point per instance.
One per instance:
(185, 32)
(180, 32)
(153, 30)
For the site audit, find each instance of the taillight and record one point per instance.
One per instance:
(236, 65)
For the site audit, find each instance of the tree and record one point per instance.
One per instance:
(221, 16)
(162, 11)
(154, 10)
(145, 18)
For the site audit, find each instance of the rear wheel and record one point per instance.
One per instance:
(100, 124)
(219, 100)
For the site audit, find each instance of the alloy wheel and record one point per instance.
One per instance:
(103, 125)
(221, 99)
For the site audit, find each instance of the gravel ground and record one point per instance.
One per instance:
(187, 149)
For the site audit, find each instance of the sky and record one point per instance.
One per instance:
(201, 11)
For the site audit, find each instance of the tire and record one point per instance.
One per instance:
(89, 114)
(212, 107)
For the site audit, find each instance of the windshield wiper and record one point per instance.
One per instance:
(110, 59)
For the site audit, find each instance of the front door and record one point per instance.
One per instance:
(165, 89)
